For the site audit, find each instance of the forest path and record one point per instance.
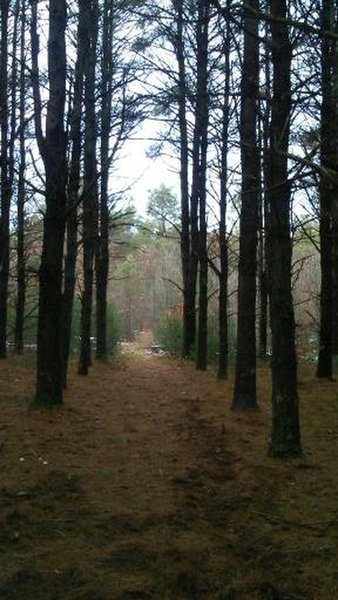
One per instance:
(145, 485)
(122, 484)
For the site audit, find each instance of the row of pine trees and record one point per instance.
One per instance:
(252, 82)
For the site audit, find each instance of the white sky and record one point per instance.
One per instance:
(134, 170)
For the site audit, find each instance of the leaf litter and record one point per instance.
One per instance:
(146, 485)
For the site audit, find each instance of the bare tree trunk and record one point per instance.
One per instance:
(8, 108)
(245, 376)
(73, 190)
(324, 364)
(328, 191)
(223, 357)
(21, 262)
(263, 295)
(102, 254)
(332, 9)
(189, 314)
(90, 195)
(285, 437)
(53, 151)
(202, 120)
(264, 145)
(4, 179)
(194, 234)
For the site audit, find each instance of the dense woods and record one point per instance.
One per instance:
(168, 299)
(222, 267)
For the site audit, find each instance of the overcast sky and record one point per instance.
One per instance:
(144, 174)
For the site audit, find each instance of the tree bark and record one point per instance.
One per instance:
(327, 192)
(21, 262)
(201, 124)
(4, 179)
(223, 356)
(102, 254)
(245, 375)
(285, 437)
(53, 149)
(73, 190)
(189, 313)
(264, 145)
(90, 194)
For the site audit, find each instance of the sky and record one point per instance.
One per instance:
(141, 174)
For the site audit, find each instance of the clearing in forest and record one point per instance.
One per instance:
(146, 485)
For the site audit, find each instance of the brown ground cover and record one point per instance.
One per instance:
(146, 485)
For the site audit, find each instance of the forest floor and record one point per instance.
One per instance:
(145, 485)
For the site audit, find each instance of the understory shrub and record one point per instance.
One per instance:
(114, 327)
(168, 335)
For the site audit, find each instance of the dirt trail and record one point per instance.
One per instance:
(145, 485)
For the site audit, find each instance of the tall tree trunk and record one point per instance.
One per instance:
(73, 189)
(285, 438)
(90, 195)
(223, 356)
(69, 280)
(194, 231)
(264, 145)
(245, 376)
(263, 290)
(333, 52)
(102, 254)
(189, 322)
(4, 179)
(53, 151)
(8, 108)
(21, 262)
(324, 363)
(328, 190)
(202, 120)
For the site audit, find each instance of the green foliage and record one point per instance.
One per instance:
(114, 327)
(213, 344)
(169, 336)
(213, 341)
(33, 264)
(169, 333)
(163, 209)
